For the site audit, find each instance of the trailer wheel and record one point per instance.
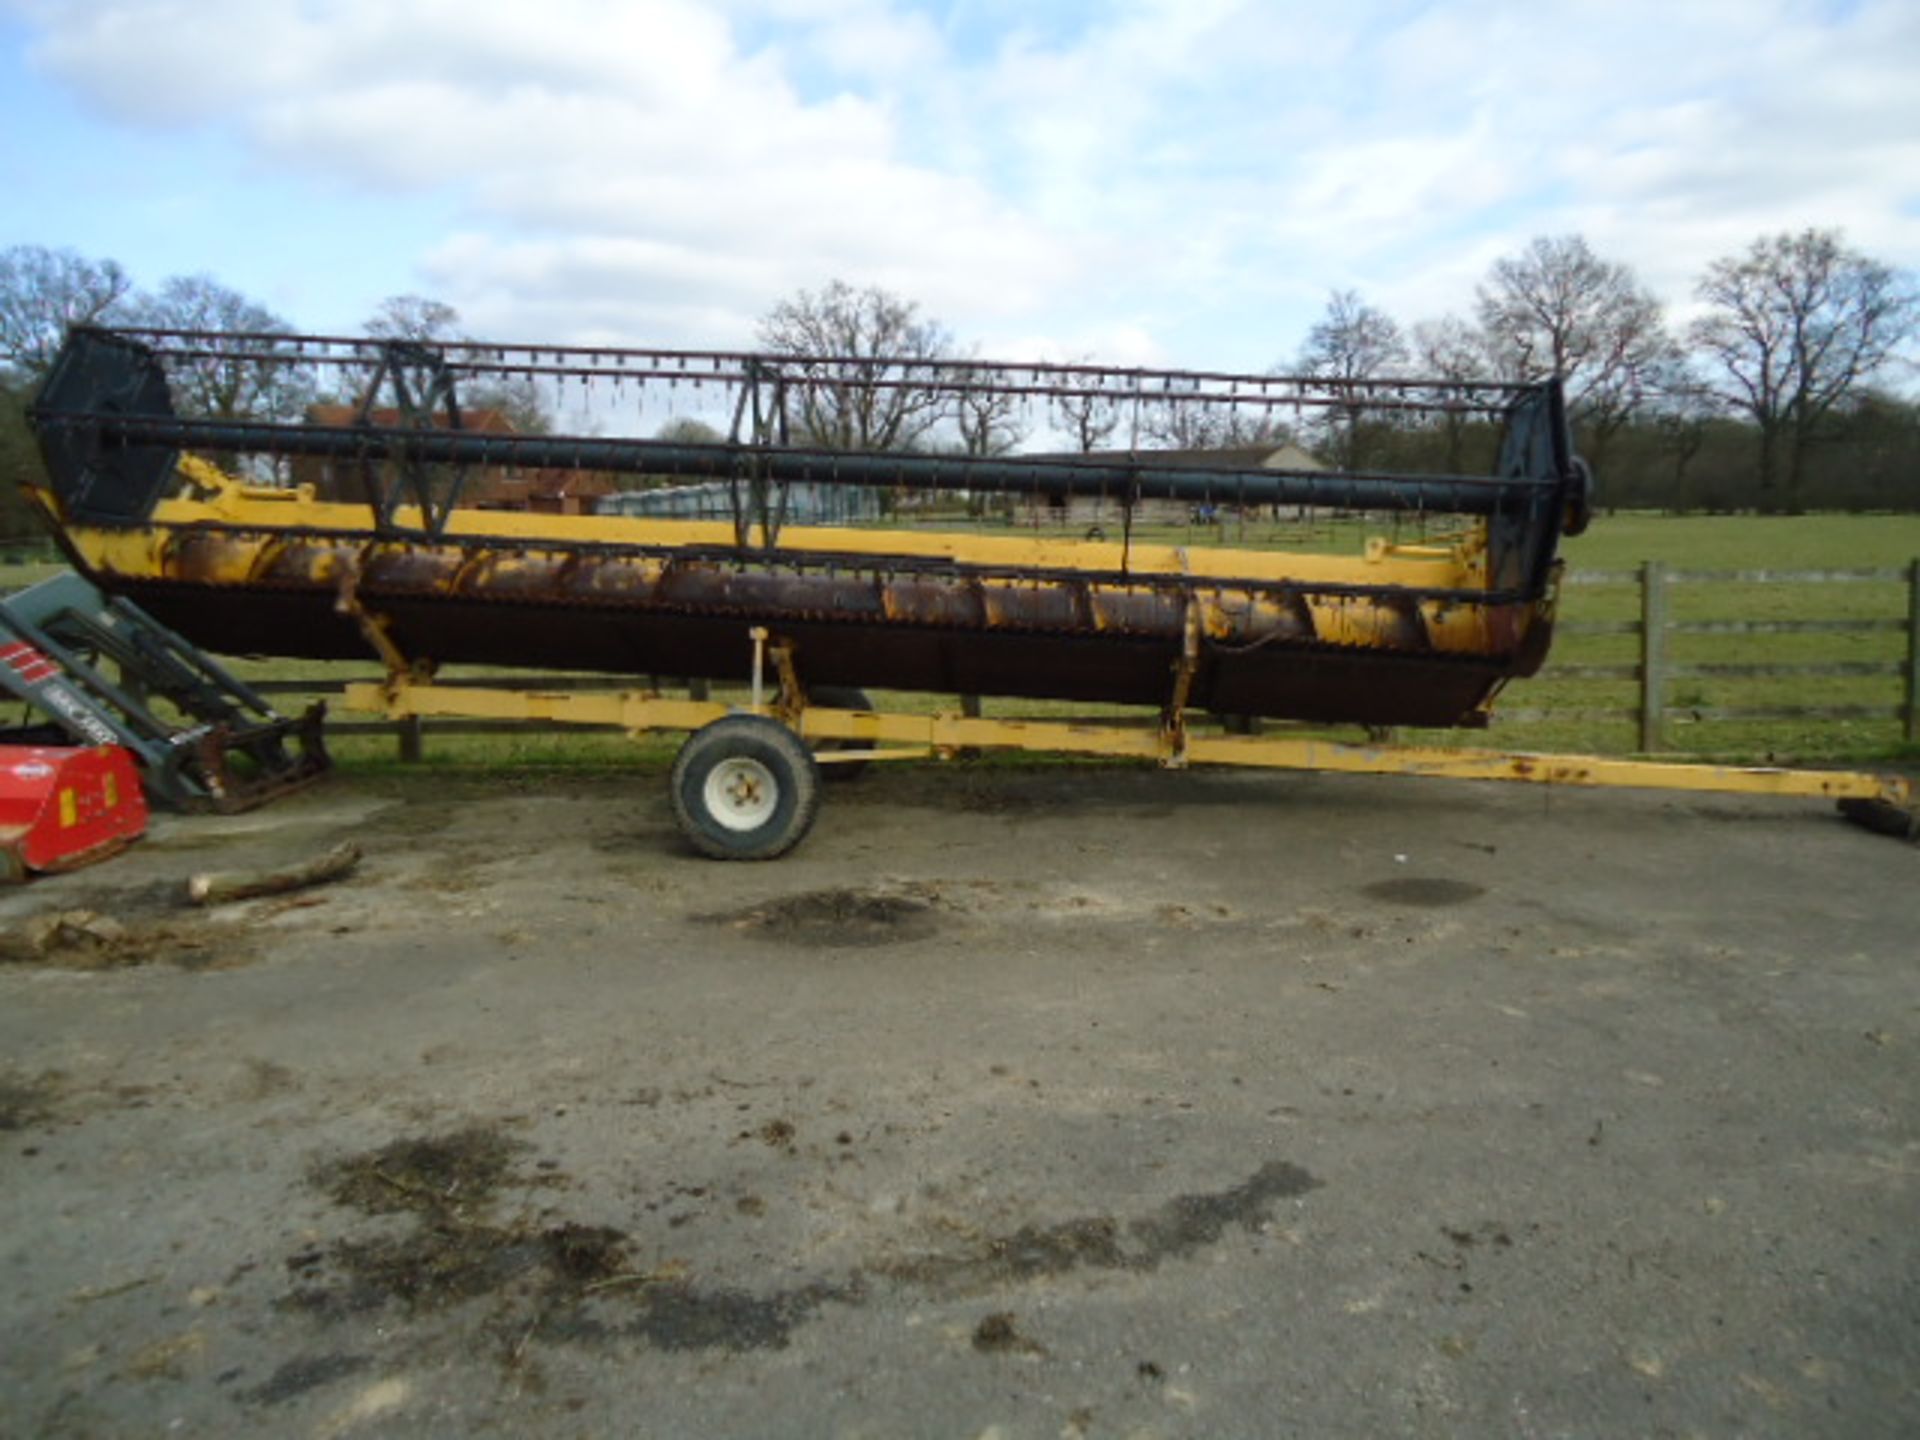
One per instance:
(744, 788)
(837, 697)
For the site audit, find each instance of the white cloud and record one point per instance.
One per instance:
(1177, 178)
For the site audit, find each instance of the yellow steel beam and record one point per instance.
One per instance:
(1582, 770)
(213, 497)
(918, 735)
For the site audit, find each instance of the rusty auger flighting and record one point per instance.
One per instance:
(384, 537)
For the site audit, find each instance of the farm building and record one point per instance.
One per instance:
(545, 491)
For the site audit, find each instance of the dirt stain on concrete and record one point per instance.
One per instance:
(999, 1334)
(301, 1374)
(566, 1281)
(575, 1283)
(681, 1316)
(1424, 890)
(835, 919)
(454, 1252)
(28, 1100)
(1180, 1227)
(456, 1171)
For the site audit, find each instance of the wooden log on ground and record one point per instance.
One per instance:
(217, 887)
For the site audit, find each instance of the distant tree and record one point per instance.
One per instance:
(1350, 343)
(273, 386)
(688, 431)
(1680, 412)
(1559, 309)
(1450, 350)
(1874, 455)
(42, 292)
(1090, 419)
(426, 321)
(1353, 341)
(854, 360)
(20, 465)
(1798, 324)
(414, 317)
(267, 389)
(990, 420)
(1211, 426)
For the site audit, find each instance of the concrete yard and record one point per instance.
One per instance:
(1054, 1102)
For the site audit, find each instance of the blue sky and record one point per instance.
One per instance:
(1179, 182)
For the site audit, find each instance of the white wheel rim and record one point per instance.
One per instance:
(741, 793)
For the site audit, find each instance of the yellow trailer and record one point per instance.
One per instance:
(746, 785)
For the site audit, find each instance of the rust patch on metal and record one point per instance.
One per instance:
(1375, 657)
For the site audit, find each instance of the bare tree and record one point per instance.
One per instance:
(414, 317)
(1212, 426)
(1681, 411)
(990, 420)
(686, 430)
(1450, 350)
(1559, 309)
(855, 359)
(42, 292)
(226, 389)
(1798, 324)
(1351, 343)
(1091, 418)
(426, 321)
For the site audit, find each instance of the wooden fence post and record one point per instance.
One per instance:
(1653, 656)
(1913, 653)
(412, 740)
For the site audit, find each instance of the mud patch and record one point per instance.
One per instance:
(836, 919)
(28, 1100)
(586, 1254)
(777, 1133)
(301, 1374)
(442, 1264)
(1425, 890)
(1181, 1227)
(565, 1282)
(453, 1252)
(998, 1334)
(450, 1172)
(87, 940)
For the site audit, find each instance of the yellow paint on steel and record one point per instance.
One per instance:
(210, 496)
(1579, 770)
(922, 735)
(258, 524)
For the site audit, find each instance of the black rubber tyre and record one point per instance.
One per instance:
(744, 788)
(840, 697)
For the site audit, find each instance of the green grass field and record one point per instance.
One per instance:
(1614, 543)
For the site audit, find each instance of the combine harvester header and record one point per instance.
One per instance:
(1379, 597)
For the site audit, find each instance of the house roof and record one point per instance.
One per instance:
(1285, 456)
(493, 422)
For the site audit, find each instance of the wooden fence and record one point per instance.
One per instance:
(1655, 671)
